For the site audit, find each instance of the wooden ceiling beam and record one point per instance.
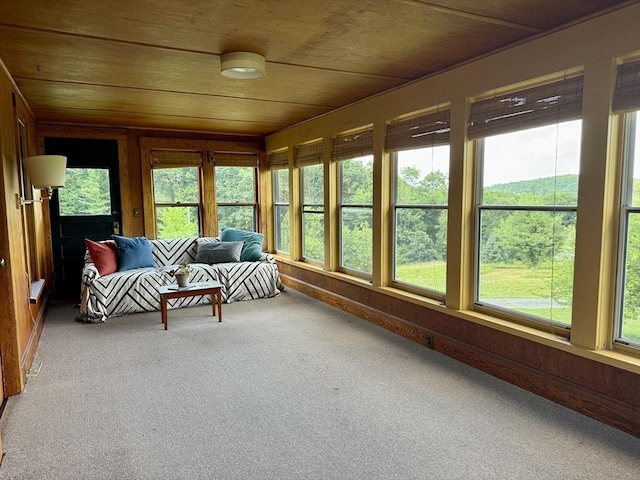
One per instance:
(475, 16)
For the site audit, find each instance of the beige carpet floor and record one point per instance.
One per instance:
(284, 388)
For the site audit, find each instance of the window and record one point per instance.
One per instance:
(278, 164)
(355, 153)
(176, 193)
(626, 99)
(87, 192)
(312, 178)
(236, 190)
(528, 165)
(420, 196)
(309, 158)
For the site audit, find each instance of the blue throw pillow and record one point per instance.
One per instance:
(252, 249)
(133, 252)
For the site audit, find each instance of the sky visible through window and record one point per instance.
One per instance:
(527, 155)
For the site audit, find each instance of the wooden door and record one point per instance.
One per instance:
(87, 207)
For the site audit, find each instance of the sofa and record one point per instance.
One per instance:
(135, 289)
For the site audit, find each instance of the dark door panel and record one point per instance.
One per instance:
(87, 207)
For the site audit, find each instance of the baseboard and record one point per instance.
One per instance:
(606, 409)
(29, 353)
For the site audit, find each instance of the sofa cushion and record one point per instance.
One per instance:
(133, 252)
(252, 249)
(103, 255)
(219, 252)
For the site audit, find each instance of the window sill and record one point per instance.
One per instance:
(614, 358)
(36, 290)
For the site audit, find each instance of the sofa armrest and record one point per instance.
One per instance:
(267, 258)
(89, 273)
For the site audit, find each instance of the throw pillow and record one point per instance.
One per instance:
(133, 252)
(252, 250)
(219, 252)
(103, 255)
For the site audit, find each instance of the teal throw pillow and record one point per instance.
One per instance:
(133, 252)
(252, 250)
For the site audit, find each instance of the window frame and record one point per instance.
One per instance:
(629, 128)
(557, 328)
(358, 206)
(253, 204)
(278, 207)
(197, 204)
(395, 207)
(306, 208)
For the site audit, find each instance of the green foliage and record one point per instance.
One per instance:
(177, 222)
(313, 212)
(529, 237)
(559, 190)
(236, 185)
(86, 192)
(176, 185)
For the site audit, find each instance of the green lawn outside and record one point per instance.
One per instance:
(504, 282)
(497, 282)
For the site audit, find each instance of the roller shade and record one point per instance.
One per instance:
(175, 158)
(626, 96)
(427, 130)
(231, 159)
(534, 107)
(309, 154)
(278, 160)
(353, 145)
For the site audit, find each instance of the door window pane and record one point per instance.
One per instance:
(86, 192)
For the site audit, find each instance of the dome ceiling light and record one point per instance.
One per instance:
(242, 65)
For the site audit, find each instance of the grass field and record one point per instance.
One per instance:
(500, 282)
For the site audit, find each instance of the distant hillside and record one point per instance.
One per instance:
(540, 186)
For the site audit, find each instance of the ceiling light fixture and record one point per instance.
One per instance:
(243, 65)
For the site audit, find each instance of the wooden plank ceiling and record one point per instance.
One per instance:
(156, 63)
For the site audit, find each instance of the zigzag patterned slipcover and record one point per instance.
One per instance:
(136, 290)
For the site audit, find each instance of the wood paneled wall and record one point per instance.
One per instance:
(20, 321)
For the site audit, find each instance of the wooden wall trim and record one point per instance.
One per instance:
(40, 310)
(596, 390)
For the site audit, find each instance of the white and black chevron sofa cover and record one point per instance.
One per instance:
(136, 290)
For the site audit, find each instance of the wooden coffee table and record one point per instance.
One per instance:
(168, 292)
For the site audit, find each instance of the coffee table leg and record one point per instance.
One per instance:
(163, 309)
(219, 302)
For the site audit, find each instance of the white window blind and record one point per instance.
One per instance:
(626, 96)
(555, 102)
(428, 130)
(353, 145)
(175, 158)
(309, 154)
(278, 160)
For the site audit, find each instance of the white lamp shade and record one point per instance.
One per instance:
(46, 171)
(243, 65)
